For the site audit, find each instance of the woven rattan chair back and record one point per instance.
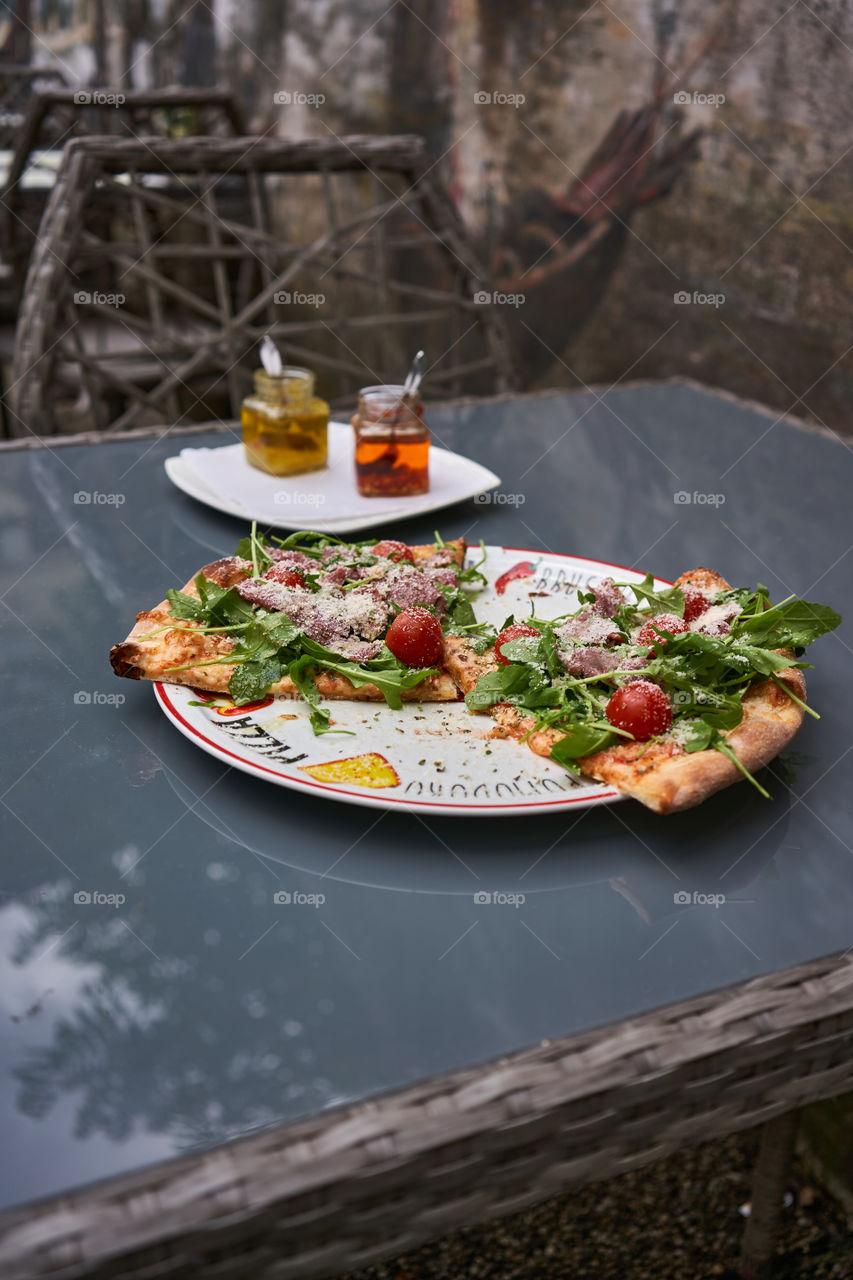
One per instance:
(56, 115)
(161, 264)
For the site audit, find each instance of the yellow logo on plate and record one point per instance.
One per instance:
(370, 770)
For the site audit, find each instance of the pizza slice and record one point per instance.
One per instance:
(668, 702)
(306, 618)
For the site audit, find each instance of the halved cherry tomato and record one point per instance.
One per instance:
(695, 603)
(415, 637)
(394, 551)
(663, 622)
(287, 577)
(640, 708)
(516, 632)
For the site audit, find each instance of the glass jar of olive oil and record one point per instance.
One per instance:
(285, 426)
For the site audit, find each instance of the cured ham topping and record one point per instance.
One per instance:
(406, 587)
(589, 660)
(608, 598)
(329, 619)
(293, 559)
(443, 556)
(590, 628)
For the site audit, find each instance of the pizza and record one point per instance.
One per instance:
(666, 694)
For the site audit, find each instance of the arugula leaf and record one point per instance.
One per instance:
(185, 608)
(215, 607)
(301, 672)
(792, 625)
(250, 681)
(700, 737)
(497, 686)
(388, 675)
(667, 600)
(581, 740)
(252, 548)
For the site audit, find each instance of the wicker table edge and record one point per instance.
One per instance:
(351, 1185)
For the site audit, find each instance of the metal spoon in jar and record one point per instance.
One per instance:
(414, 377)
(271, 358)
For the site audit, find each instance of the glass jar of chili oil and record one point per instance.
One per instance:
(391, 444)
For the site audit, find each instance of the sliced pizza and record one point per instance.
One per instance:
(669, 696)
(308, 617)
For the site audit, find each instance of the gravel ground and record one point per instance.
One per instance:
(676, 1220)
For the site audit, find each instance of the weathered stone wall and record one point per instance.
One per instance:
(757, 229)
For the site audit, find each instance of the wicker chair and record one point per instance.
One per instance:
(17, 85)
(52, 116)
(181, 255)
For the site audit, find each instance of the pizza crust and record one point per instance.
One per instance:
(143, 656)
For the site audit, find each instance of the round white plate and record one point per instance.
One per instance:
(434, 757)
(326, 500)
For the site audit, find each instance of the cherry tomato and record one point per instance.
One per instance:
(394, 551)
(663, 622)
(516, 632)
(415, 638)
(695, 603)
(287, 577)
(640, 708)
